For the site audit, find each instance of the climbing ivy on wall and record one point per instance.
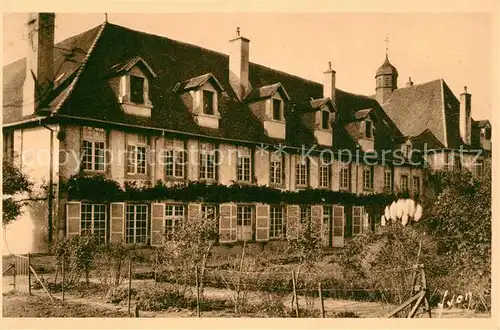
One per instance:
(100, 189)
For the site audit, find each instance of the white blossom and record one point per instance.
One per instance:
(418, 213)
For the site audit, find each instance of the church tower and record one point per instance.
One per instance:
(386, 79)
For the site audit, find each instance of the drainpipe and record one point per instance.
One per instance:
(51, 182)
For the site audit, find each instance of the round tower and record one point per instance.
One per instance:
(386, 80)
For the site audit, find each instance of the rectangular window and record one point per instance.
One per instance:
(301, 172)
(344, 177)
(305, 214)
(244, 216)
(173, 215)
(404, 183)
(324, 172)
(136, 224)
(325, 119)
(136, 155)
(276, 109)
(276, 167)
(277, 221)
(244, 165)
(388, 180)
(368, 129)
(368, 178)
(93, 220)
(175, 158)
(209, 212)
(207, 161)
(94, 148)
(137, 89)
(208, 102)
(357, 220)
(416, 185)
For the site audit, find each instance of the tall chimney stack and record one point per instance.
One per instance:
(39, 60)
(329, 83)
(465, 117)
(239, 60)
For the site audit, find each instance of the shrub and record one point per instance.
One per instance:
(159, 298)
(117, 295)
(345, 314)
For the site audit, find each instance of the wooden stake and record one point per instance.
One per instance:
(129, 283)
(322, 303)
(15, 270)
(41, 283)
(197, 292)
(29, 276)
(62, 274)
(295, 294)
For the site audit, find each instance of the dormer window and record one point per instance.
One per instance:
(208, 102)
(130, 80)
(368, 129)
(137, 89)
(277, 109)
(325, 119)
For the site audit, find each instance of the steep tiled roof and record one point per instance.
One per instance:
(266, 91)
(129, 64)
(426, 138)
(198, 82)
(431, 106)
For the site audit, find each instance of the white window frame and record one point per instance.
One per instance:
(244, 165)
(368, 173)
(388, 180)
(272, 100)
(344, 177)
(325, 173)
(175, 154)
(96, 137)
(365, 128)
(174, 213)
(144, 89)
(302, 172)
(139, 143)
(276, 168)
(360, 225)
(416, 188)
(321, 119)
(135, 236)
(277, 220)
(404, 187)
(92, 220)
(214, 102)
(207, 161)
(305, 214)
(214, 214)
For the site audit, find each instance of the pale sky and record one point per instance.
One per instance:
(427, 46)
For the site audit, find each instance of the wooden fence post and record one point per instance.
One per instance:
(29, 275)
(197, 292)
(129, 283)
(295, 294)
(14, 268)
(320, 292)
(62, 274)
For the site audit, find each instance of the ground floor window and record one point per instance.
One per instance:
(174, 214)
(277, 221)
(305, 214)
(136, 224)
(93, 220)
(244, 216)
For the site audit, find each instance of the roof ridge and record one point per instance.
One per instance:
(71, 87)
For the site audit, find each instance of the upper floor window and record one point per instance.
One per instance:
(208, 102)
(94, 149)
(388, 180)
(368, 178)
(344, 177)
(368, 129)
(487, 133)
(137, 89)
(302, 171)
(324, 172)
(175, 158)
(277, 109)
(277, 168)
(325, 119)
(136, 154)
(244, 165)
(404, 183)
(207, 161)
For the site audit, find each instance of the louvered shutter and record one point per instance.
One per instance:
(262, 223)
(233, 222)
(366, 221)
(157, 223)
(316, 219)
(226, 223)
(338, 226)
(117, 211)
(73, 218)
(357, 220)
(292, 220)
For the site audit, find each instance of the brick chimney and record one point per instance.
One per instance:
(329, 83)
(239, 65)
(465, 118)
(39, 60)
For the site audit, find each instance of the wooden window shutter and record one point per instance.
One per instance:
(227, 227)
(157, 223)
(262, 223)
(357, 220)
(117, 221)
(317, 219)
(194, 212)
(216, 165)
(73, 218)
(292, 220)
(366, 221)
(338, 226)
